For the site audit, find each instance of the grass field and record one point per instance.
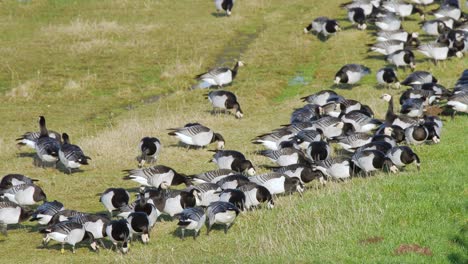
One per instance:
(110, 72)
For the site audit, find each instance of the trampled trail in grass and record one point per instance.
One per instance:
(110, 72)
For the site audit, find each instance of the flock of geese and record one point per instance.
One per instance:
(301, 151)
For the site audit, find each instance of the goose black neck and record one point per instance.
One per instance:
(390, 115)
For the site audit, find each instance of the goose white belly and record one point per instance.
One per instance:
(173, 206)
(273, 145)
(458, 106)
(95, 228)
(44, 219)
(208, 197)
(57, 236)
(106, 199)
(47, 157)
(287, 160)
(75, 236)
(219, 101)
(68, 163)
(225, 218)
(395, 157)
(251, 198)
(366, 163)
(218, 4)
(156, 180)
(25, 197)
(353, 77)
(202, 139)
(224, 78)
(339, 171)
(275, 186)
(185, 139)
(10, 215)
(225, 162)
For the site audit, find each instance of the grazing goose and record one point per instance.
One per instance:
(438, 51)
(353, 141)
(154, 176)
(418, 78)
(143, 204)
(47, 148)
(330, 126)
(389, 22)
(197, 135)
(64, 232)
(95, 225)
(351, 73)
(402, 156)
(343, 106)
(278, 183)
(402, 58)
(30, 138)
(356, 16)
(62, 216)
(319, 98)
(387, 47)
(234, 196)
(393, 119)
(150, 148)
(366, 5)
(427, 96)
(274, 140)
(413, 107)
(207, 193)
(447, 11)
(71, 156)
(387, 77)
(114, 199)
(24, 194)
(324, 26)
(303, 172)
(337, 168)
(309, 112)
(192, 219)
(372, 160)
(225, 5)
(304, 138)
(220, 76)
(434, 27)
(417, 134)
(255, 195)
(284, 156)
(225, 100)
(139, 224)
(11, 213)
(459, 102)
(44, 213)
(360, 121)
(233, 160)
(394, 131)
(232, 181)
(402, 9)
(318, 150)
(376, 145)
(118, 232)
(398, 34)
(211, 176)
(11, 180)
(173, 202)
(221, 213)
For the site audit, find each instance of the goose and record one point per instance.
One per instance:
(114, 198)
(221, 213)
(225, 100)
(388, 22)
(402, 156)
(197, 135)
(351, 73)
(382, 146)
(30, 138)
(434, 27)
(11, 213)
(220, 76)
(225, 5)
(438, 51)
(439, 90)
(423, 2)
(278, 183)
(357, 16)
(413, 107)
(366, 6)
(387, 77)
(118, 232)
(418, 78)
(139, 224)
(309, 112)
(343, 106)
(173, 202)
(384, 138)
(398, 34)
(319, 98)
(416, 135)
(71, 156)
(65, 232)
(284, 156)
(372, 160)
(324, 26)
(211, 176)
(360, 121)
(145, 205)
(232, 181)
(330, 126)
(434, 122)
(447, 11)
(191, 219)
(154, 176)
(353, 141)
(233, 160)
(47, 148)
(402, 9)
(318, 150)
(207, 193)
(393, 119)
(337, 168)
(459, 102)
(150, 147)
(95, 225)
(304, 138)
(303, 172)
(427, 97)
(234, 196)
(255, 195)
(273, 140)
(11, 180)
(394, 131)
(402, 58)
(24, 194)
(44, 213)
(387, 47)
(62, 216)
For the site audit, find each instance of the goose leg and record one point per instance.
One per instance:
(3, 229)
(183, 234)
(73, 249)
(102, 243)
(226, 229)
(195, 234)
(63, 248)
(208, 230)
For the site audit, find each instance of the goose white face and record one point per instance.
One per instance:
(241, 63)
(393, 169)
(337, 80)
(436, 139)
(306, 31)
(239, 114)
(386, 97)
(388, 131)
(362, 27)
(228, 13)
(459, 54)
(251, 172)
(270, 205)
(220, 144)
(145, 238)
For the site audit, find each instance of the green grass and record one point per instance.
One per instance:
(89, 67)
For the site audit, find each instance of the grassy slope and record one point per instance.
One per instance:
(119, 52)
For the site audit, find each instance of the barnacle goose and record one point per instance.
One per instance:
(118, 232)
(154, 176)
(11, 213)
(438, 51)
(232, 181)
(225, 5)
(114, 198)
(95, 225)
(388, 22)
(419, 78)
(387, 47)
(413, 107)
(372, 160)
(44, 213)
(192, 219)
(398, 34)
(234, 196)
(225, 100)
(336, 168)
(139, 224)
(211, 176)
(150, 147)
(30, 138)
(47, 148)
(24, 194)
(255, 195)
(301, 171)
(387, 77)
(71, 156)
(318, 150)
(351, 73)
(233, 160)
(221, 213)
(173, 202)
(304, 138)
(434, 27)
(284, 156)
(65, 232)
(402, 156)
(273, 140)
(207, 193)
(278, 183)
(356, 16)
(197, 135)
(11, 180)
(319, 98)
(324, 26)
(220, 76)
(402, 58)
(360, 121)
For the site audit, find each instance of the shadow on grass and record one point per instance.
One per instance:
(344, 86)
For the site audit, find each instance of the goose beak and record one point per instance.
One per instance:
(337, 80)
